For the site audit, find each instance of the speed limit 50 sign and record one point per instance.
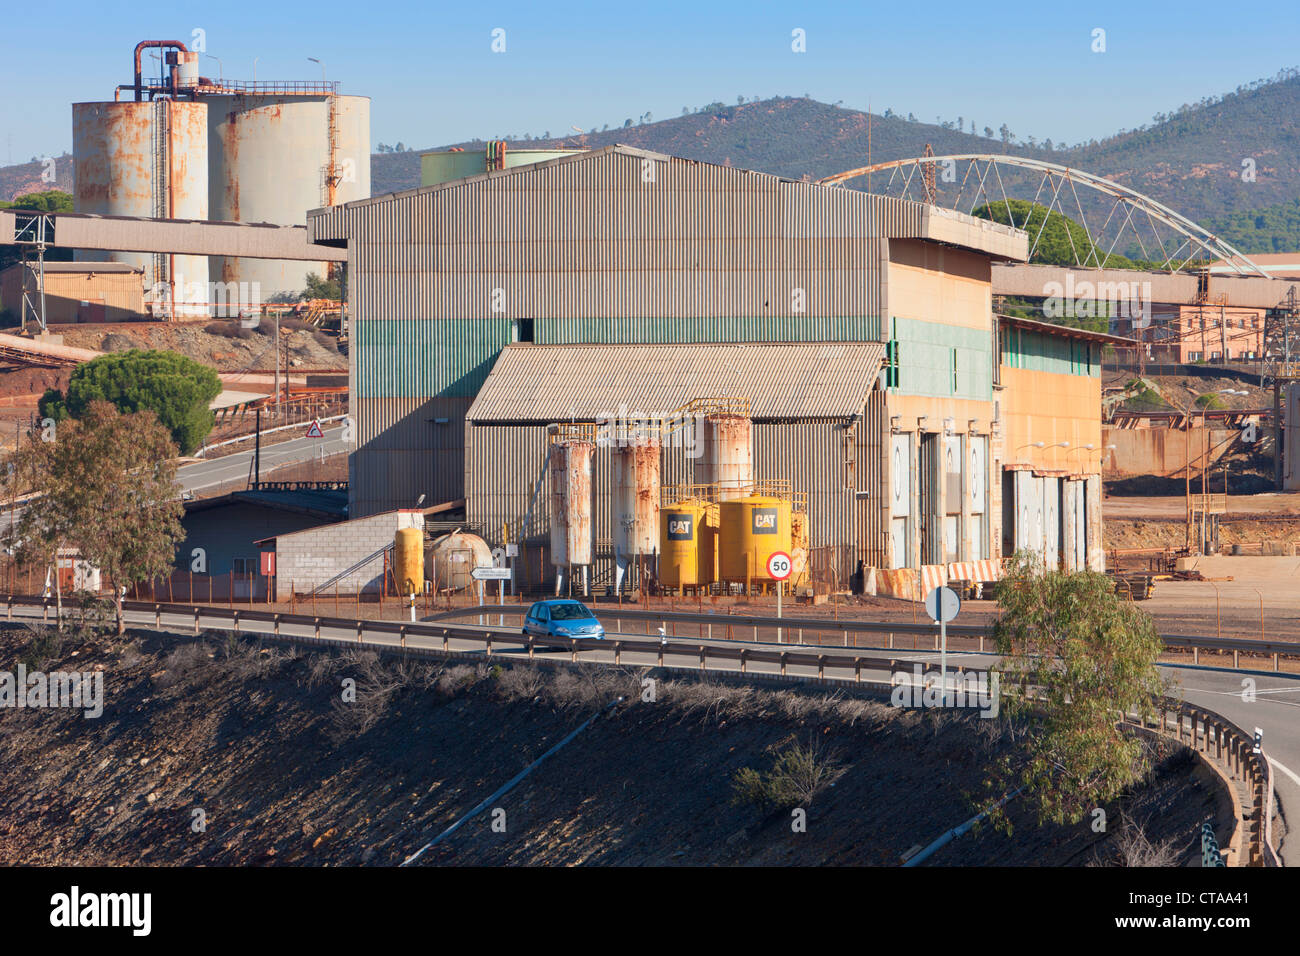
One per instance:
(779, 566)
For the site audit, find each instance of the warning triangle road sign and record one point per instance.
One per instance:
(314, 431)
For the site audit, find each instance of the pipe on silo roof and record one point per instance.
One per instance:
(147, 44)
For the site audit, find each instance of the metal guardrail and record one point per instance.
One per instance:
(833, 664)
(1206, 731)
(1195, 643)
(1233, 749)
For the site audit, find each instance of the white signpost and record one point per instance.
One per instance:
(779, 567)
(500, 575)
(942, 604)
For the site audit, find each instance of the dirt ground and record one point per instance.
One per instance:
(306, 349)
(1183, 390)
(257, 745)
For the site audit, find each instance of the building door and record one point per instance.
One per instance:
(1051, 523)
(900, 502)
(952, 498)
(1078, 517)
(977, 495)
(928, 478)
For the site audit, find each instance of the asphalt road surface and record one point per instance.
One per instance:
(200, 475)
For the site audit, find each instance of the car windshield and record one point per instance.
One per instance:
(569, 612)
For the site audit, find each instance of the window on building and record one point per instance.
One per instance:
(244, 565)
(954, 371)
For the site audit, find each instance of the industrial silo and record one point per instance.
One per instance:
(728, 454)
(274, 156)
(635, 505)
(441, 166)
(751, 529)
(147, 159)
(571, 526)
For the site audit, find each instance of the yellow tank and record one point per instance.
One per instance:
(408, 561)
(687, 536)
(751, 529)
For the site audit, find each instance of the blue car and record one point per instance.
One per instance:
(562, 618)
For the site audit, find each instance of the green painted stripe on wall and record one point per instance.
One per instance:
(668, 331)
(442, 358)
(942, 361)
(1037, 352)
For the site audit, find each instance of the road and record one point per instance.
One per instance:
(201, 475)
(1275, 707)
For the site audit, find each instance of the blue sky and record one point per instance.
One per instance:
(434, 79)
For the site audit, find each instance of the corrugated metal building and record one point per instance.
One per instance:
(818, 422)
(76, 291)
(614, 246)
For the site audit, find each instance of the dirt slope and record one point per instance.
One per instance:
(284, 772)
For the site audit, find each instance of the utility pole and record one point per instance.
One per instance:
(257, 452)
(277, 364)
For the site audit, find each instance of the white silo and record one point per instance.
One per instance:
(274, 156)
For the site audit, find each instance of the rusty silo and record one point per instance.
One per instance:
(147, 159)
(191, 147)
(728, 454)
(274, 156)
(635, 512)
(571, 497)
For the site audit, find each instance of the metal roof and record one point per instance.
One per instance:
(1064, 331)
(556, 383)
(317, 503)
(80, 267)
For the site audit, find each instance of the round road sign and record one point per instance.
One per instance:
(779, 566)
(942, 604)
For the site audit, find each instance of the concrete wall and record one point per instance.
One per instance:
(1161, 451)
(306, 559)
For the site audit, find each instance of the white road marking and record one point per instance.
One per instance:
(1237, 694)
(1286, 770)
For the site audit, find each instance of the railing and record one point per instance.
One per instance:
(723, 626)
(1233, 749)
(1199, 728)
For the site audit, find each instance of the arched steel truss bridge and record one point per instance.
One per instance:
(979, 177)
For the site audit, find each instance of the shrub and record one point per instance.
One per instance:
(797, 776)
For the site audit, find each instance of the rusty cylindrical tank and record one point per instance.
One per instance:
(147, 159)
(450, 559)
(634, 514)
(274, 157)
(571, 526)
(798, 549)
(728, 454)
